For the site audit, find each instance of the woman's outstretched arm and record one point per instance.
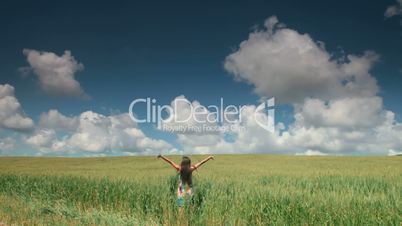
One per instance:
(202, 162)
(177, 167)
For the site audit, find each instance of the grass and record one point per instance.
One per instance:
(231, 190)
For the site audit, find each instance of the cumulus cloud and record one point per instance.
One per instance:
(291, 66)
(11, 113)
(6, 144)
(335, 103)
(42, 138)
(97, 132)
(56, 74)
(203, 129)
(248, 136)
(336, 128)
(188, 117)
(394, 10)
(53, 119)
(342, 128)
(342, 113)
(392, 152)
(312, 153)
(93, 133)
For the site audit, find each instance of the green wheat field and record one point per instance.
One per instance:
(230, 190)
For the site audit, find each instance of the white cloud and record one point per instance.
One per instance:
(249, 137)
(341, 127)
(6, 144)
(335, 104)
(394, 10)
(57, 121)
(392, 152)
(290, 66)
(189, 117)
(204, 133)
(336, 107)
(200, 143)
(342, 112)
(93, 133)
(42, 138)
(56, 74)
(347, 125)
(11, 114)
(310, 152)
(194, 124)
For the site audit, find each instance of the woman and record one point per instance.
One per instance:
(185, 170)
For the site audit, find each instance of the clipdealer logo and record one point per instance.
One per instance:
(182, 115)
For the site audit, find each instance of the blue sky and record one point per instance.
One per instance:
(166, 49)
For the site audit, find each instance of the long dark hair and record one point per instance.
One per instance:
(185, 171)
